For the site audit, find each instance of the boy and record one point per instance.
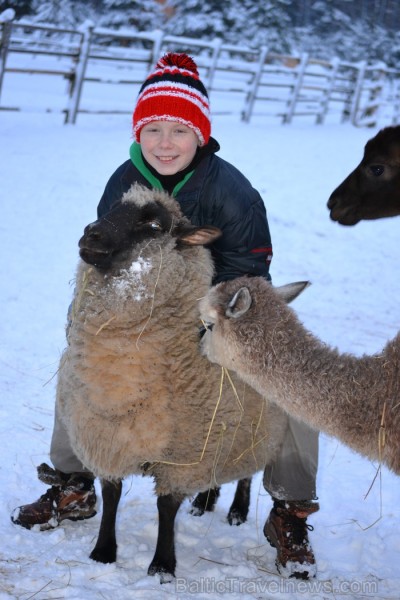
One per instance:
(173, 150)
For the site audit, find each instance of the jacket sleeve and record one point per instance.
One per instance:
(245, 247)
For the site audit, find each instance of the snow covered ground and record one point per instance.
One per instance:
(52, 177)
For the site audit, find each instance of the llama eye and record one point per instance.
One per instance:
(376, 170)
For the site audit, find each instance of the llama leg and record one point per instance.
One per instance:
(240, 506)
(164, 561)
(105, 550)
(204, 501)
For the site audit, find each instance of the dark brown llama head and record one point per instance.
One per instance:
(372, 190)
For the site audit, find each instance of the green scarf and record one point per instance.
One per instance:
(135, 153)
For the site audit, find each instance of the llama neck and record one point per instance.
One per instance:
(339, 394)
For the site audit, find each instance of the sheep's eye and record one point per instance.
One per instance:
(376, 170)
(155, 225)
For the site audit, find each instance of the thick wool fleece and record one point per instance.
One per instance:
(134, 391)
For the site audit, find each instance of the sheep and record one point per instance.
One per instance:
(372, 190)
(133, 390)
(356, 400)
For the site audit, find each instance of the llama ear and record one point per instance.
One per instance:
(290, 291)
(239, 304)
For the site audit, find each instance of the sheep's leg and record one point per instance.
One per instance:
(164, 561)
(205, 501)
(105, 550)
(240, 506)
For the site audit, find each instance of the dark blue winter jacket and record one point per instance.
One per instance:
(217, 194)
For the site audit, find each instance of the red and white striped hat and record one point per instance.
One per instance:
(174, 92)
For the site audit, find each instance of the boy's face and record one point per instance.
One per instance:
(168, 146)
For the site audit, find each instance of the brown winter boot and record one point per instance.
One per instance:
(286, 530)
(71, 497)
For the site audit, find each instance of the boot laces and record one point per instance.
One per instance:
(297, 529)
(50, 495)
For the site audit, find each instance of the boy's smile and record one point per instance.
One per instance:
(168, 146)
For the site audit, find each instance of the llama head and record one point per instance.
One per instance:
(372, 190)
(241, 318)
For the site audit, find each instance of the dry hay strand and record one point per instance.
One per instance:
(253, 444)
(191, 464)
(378, 474)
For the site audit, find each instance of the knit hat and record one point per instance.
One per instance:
(174, 92)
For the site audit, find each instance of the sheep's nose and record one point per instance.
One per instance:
(94, 235)
(92, 232)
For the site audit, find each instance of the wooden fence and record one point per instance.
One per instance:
(93, 70)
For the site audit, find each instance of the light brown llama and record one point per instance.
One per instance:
(255, 334)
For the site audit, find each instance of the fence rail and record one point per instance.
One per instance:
(100, 71)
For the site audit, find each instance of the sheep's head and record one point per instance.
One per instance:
(142, 215)
(241, 317)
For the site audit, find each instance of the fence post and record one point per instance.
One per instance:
(396, 101)
(158, 37)
(216, 49)
(6, 19)
(73, 102)
(349, 92)
(374, 102)
(326, 95)
(252, 94)
(355, 101)
(288, 116)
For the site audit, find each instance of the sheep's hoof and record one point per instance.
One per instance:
(104, 555)
(166, 574)
(236, 517)
(204, 501)
(197, 511)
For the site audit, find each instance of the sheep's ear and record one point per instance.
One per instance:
(198, 236)
(239, 304)
(290, 291)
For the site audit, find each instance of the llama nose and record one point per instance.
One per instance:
(332, 200)
(205, 327)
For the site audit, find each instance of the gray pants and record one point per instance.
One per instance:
(292, 476)
(61, 453)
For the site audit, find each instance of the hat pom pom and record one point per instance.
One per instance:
(182, 61)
